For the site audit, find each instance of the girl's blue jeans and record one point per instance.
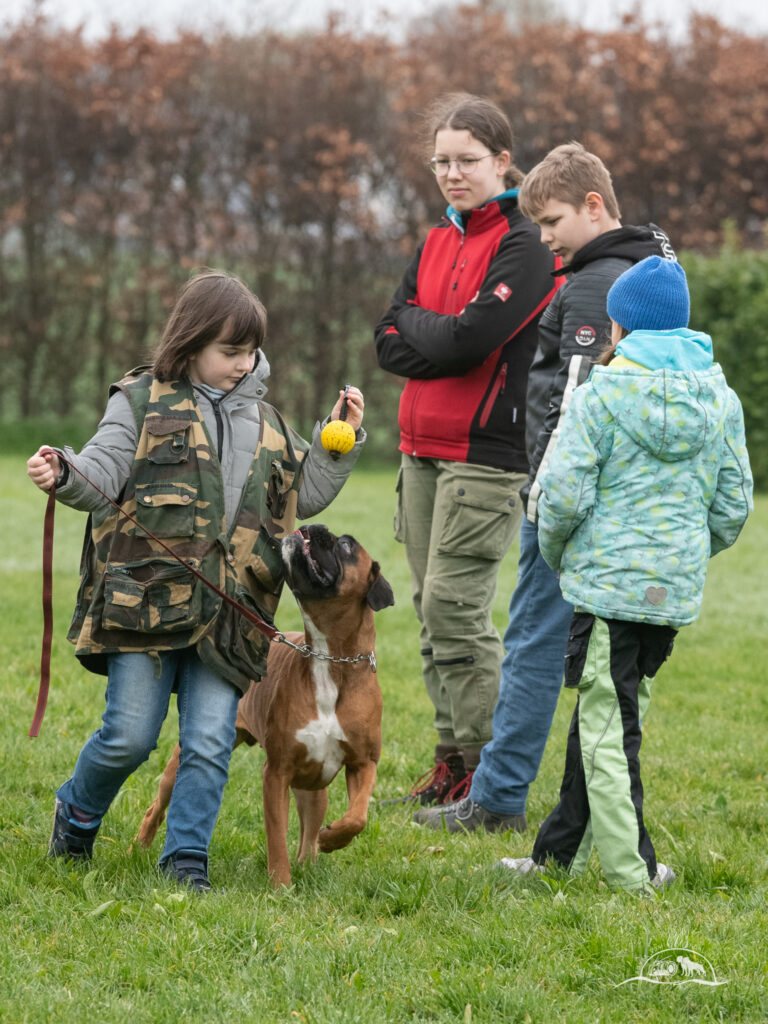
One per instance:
(137, 702)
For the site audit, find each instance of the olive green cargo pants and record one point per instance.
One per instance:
(457, 522)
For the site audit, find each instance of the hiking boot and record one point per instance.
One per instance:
(521, 865)
(434, 786)
(188, 870)
(69, 839)
(664, 876)
(460, 790)
(466, 815)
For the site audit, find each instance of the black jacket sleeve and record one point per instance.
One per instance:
(585, 333)
(456, 344)
(394, 352)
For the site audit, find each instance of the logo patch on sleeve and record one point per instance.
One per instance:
(503, 291)
(586, 335)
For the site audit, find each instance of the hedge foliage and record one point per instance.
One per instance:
(729, 300)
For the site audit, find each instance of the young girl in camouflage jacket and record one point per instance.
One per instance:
(191, 450)
(650, 478)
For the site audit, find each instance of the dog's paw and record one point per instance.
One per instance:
(328, 839)
(335, 836)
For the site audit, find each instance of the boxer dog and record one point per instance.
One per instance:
(313, 714)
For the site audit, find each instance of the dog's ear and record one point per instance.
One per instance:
(379, 592)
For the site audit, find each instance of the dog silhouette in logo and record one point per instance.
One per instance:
(690, 967)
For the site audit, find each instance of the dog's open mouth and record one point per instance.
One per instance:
(322, 574)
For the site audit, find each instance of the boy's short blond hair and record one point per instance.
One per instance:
(566, 174)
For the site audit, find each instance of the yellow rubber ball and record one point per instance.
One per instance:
(338, 436)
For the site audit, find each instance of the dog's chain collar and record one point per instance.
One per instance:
(307, 652)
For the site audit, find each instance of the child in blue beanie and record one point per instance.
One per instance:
(651, 480)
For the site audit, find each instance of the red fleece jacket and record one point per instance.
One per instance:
(463, 328)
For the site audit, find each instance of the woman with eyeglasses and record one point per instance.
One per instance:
(462, 329)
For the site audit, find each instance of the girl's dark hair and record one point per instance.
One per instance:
(486, 122)
(208, 304)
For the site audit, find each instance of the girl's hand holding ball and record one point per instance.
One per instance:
(338, 436)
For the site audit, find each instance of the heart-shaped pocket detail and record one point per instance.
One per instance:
(656, 595)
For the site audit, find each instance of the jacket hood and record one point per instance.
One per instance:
(672, 404)
(252, 385)
(679, 349)
(248, 389)
(627, 242)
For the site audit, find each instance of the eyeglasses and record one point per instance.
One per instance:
(440, 166)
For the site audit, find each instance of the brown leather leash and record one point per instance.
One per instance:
(45, 659)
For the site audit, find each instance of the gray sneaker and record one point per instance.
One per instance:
(664, 876)
(521, 865)
(466, 816)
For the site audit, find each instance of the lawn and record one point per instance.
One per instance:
(406, 924)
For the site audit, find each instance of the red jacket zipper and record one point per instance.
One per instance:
(498, 387)
(448, 301)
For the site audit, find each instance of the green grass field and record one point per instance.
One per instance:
(406, 924)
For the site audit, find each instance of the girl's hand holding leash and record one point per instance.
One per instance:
(44, 468)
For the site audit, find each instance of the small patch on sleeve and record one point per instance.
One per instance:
(503, 291)
(586, 335)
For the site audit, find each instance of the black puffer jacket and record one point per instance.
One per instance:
(573, 332)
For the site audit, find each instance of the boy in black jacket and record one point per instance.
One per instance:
(570, 197)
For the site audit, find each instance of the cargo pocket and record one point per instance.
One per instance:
(166, 510)
(481, 523)
(158, 596)
(657, 651)
(265, 565)
(399, 520)
(246, 645)
(278, 488)
(167, 439)
(576, 651)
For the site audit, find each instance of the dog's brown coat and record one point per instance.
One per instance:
(277, 707)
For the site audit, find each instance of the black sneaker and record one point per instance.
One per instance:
(189, 871)
(68, 839)
(466, 816)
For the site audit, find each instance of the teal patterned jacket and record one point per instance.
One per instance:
(649, 477)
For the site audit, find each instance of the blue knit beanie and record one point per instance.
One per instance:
(651, 296)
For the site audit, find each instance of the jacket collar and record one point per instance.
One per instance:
(482, 216)
(629, 242)
(248, 389)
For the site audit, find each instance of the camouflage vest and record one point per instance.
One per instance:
(133, 595)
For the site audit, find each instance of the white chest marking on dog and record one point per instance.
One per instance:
(323, 735)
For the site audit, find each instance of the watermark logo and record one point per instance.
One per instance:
(677, 966)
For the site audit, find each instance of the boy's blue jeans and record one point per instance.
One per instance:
(531, 677)
(137, 703)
